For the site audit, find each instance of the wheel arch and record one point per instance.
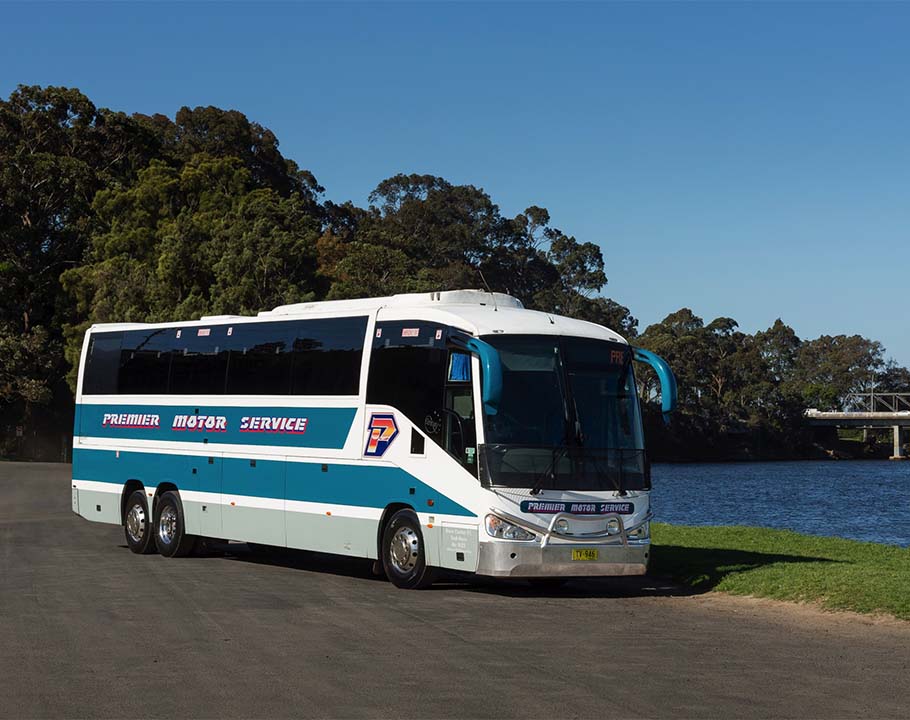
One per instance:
(129, 487)
(164, 487)
(387, 514)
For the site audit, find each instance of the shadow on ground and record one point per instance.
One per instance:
(703, 569)
(675, 572)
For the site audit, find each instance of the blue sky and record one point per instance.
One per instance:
(746, 160)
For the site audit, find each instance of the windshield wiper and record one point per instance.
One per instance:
(615, 478)
(550, 472)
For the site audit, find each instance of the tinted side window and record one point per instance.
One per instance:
(408, 371)
(260, 359)
(198, 360)
(327, 355)
(145, 362)
(102, 364)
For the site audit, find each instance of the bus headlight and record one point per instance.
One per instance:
(613, 526)
(641, 532)
(499, 528)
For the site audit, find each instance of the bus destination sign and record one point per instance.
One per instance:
(550, 507)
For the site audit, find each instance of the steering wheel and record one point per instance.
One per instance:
(504, 425)
(457, 429)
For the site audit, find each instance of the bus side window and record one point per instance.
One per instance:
(326, 356)
(198, 361)
(145, 362)
(102, 364)
(259, 359)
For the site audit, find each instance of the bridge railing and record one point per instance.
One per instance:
(877, 402)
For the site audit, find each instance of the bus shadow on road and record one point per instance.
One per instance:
(675, 572)
(703, 569)
(290, 559)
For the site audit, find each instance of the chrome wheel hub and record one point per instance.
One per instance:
(135, 523)
(167, 525)
(404, 550)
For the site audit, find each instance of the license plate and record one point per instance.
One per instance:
(584, 554)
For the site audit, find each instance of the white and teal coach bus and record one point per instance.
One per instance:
(449, 430)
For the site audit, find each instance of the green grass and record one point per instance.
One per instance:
(838, 574)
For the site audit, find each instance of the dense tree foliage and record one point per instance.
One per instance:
(199, 240)
(109, 217)
(750, 391)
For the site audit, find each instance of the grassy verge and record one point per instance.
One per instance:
(838, 574)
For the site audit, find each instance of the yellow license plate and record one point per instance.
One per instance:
(584, 554)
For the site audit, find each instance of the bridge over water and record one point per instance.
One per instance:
(870, 410)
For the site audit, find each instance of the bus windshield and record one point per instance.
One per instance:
(568, 417)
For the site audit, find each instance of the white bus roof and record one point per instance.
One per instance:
(476, 311)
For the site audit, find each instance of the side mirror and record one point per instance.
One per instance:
(669, 398)
(491, 387)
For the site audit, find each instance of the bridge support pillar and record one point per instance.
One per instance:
(898, 445)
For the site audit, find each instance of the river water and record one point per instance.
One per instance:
(861, 500)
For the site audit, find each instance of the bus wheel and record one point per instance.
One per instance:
(137, 525)
(404, 558)
(170, 533)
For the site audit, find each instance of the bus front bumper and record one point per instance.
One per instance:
(528, 559)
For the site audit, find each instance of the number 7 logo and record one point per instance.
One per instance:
(382, 431)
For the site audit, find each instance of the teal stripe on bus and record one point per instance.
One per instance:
(360, 485)
(309, 427)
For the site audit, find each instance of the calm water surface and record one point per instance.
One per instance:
(862, 500)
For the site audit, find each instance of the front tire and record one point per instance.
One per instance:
(404, 556)
(171, 538)
(137, 524)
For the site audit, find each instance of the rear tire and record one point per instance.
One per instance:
(137, 524)
(171, 538)
(404, 556)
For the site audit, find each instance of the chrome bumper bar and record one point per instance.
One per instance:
(522, 559)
